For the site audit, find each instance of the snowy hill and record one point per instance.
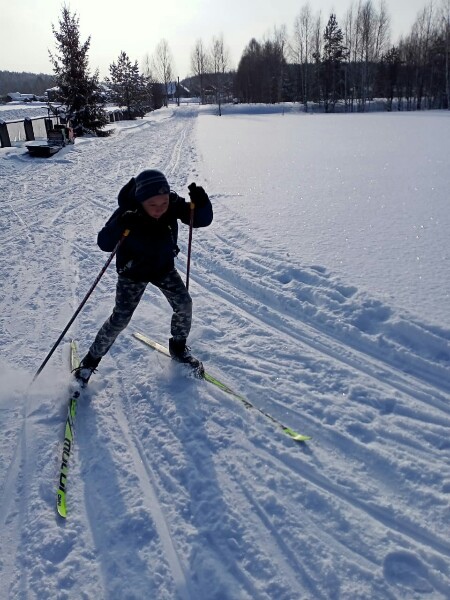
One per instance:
(321, 293)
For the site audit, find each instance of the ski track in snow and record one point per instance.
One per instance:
(176, 490)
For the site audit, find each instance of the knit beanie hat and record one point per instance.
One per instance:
(150, 183)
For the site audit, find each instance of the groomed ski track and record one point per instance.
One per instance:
(175, 490)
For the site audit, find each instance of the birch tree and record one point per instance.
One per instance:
(200, 65)
(301, 49)
(163, 66)
(219, 62)
(445, 23)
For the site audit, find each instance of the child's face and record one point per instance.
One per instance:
(156, 206)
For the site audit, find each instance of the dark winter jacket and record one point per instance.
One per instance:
(148, 253)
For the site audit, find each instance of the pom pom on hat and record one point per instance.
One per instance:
(150, 183)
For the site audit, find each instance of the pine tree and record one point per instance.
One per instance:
(389, 73)
(334, 53)
(79, 91)
(128, 87)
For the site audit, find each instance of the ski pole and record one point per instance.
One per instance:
(191, 188)
(85, 299)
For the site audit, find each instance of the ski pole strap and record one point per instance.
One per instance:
(191, 226)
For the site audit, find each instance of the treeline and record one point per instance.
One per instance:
(26, 83)
(351, 62)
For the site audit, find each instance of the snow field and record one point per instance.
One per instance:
(175, 489)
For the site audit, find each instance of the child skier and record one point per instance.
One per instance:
(150, 211)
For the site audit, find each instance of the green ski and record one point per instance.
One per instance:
(68, 436)
(298, 437)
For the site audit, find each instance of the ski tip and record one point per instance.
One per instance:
(61, 504)
(297, 437)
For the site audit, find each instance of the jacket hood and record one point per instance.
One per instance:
(126, 198)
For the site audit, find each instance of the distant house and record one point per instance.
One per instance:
(105, 91)
(52, 94)
(18, 97)
(176, 90)
(182, 91)
(210, 93)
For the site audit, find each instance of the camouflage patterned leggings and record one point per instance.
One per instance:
(128, 296)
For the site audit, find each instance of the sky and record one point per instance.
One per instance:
(138, 25)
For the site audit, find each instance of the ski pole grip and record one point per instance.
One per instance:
(191, 188)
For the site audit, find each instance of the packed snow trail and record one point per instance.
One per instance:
(176, 490)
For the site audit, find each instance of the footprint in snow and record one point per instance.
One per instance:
(406, 570)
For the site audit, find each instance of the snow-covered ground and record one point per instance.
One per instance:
(16, 110)
(321, 293)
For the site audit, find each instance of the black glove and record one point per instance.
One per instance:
(129, 219)
(198, 195)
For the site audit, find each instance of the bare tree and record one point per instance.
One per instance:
(383, 30)
(280, 46)
(351, 42)
(367, 26)
(370, 40)
(421, 39)
(301, 48)
(317, 47)
(200, 66)
(219, 63)
(147, 67)
(148, 73)
(445, 22)
(163, 66)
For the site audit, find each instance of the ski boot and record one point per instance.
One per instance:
(182, 353)
(87, 366)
